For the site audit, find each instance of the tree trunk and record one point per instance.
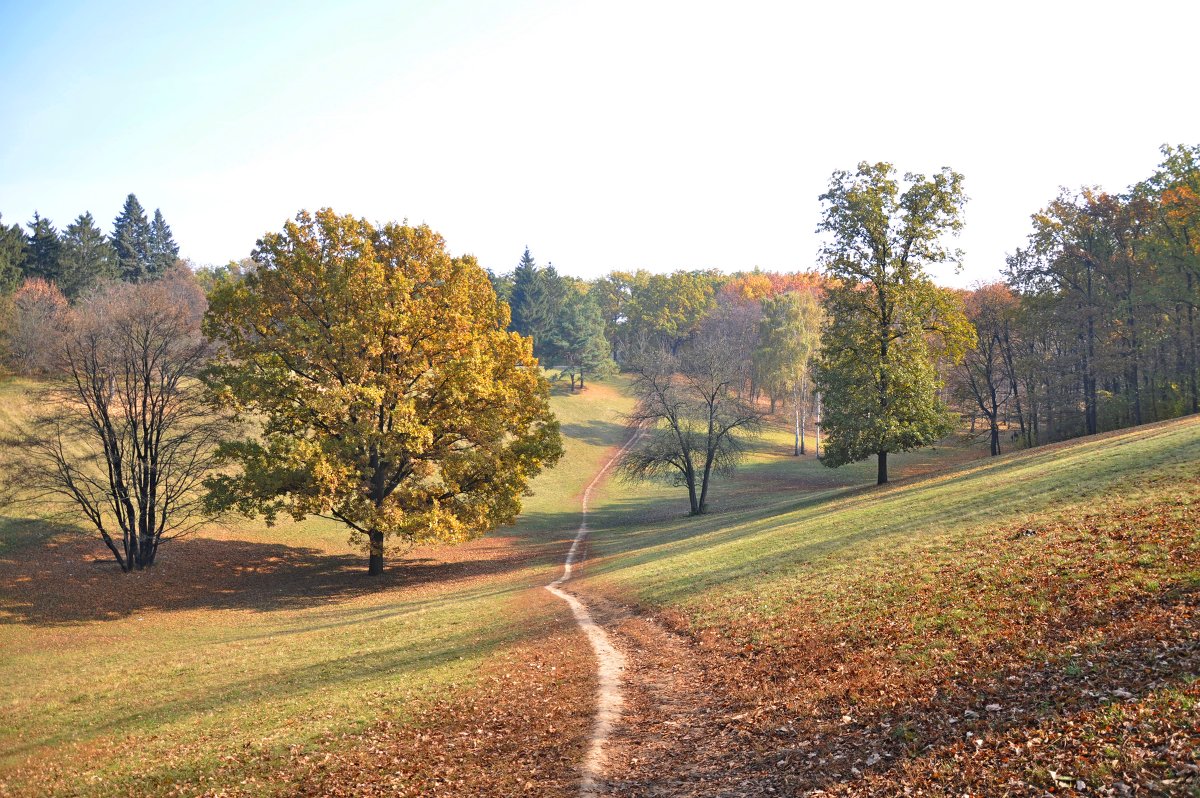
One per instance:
(1195, 365)
(375, 564)
(818, 431)
(703, 505)
(882, 471)
(694, 502)
(796, 414)
(802, 422)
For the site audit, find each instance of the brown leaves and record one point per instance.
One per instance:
(1063, 662)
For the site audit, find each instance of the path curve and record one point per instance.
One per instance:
(610, 661)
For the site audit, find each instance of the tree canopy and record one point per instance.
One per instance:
(888, 323)
(392, 396)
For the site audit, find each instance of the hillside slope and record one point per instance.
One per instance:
(1010, 626)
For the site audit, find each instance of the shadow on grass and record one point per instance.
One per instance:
(596, 432)
(299, 679)
(760, 532)
(69, 580)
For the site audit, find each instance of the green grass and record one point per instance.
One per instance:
(210, 671)
(771, 548)
(189, 668)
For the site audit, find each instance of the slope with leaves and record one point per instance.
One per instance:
(1009, 626)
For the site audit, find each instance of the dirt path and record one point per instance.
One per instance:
(610, 661)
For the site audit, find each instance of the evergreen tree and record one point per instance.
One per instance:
(888, 323)
(164, 252)
(43, 258)
(502, 284)
(536, 302)
(553, 290)
(87, 256)
(13, 247)
(582, 349)
(525, 298)
(131, 240)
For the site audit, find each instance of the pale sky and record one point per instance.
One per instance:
(603, 135)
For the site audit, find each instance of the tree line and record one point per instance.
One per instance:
(361, 372)
(43, 269)
(82, 255)
(1094, 325)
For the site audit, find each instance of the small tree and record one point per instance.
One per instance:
(695, 424)
(983, 379)
(394, 400)
(87, 257)
(124, 436)
(13, 250)
(131, 242)
(789, 335)
(164, 252)
(43, 257)
(37, 321)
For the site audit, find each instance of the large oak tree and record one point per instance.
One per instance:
(392, 397)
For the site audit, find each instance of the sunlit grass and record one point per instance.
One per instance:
(821, 541)
(187, 688)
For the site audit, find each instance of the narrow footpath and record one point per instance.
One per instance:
(610, 661)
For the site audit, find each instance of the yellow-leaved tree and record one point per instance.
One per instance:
(391, 396)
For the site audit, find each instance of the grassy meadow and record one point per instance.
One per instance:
(248, 648)
(851, 638)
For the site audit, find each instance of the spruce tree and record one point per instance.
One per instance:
(525, 297)
(43, 257)
(582, 349)
(131, 240)
(164, 252)
(87, 257)
(13, 247)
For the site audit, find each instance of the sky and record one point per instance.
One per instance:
(602, 135)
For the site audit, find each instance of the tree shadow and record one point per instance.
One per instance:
(68, 579)
(596, 432)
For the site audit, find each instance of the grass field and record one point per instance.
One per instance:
(248, 649)
(1021, 625)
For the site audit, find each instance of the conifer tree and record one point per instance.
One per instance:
(582, 349)
(87, 257)
(526, 296)
(164, 252)
(131, 240)
(12, 256)
(43, 258)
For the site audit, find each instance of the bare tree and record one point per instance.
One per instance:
(33, 324)
(696, 425)
(123, 435)
(983, 379)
